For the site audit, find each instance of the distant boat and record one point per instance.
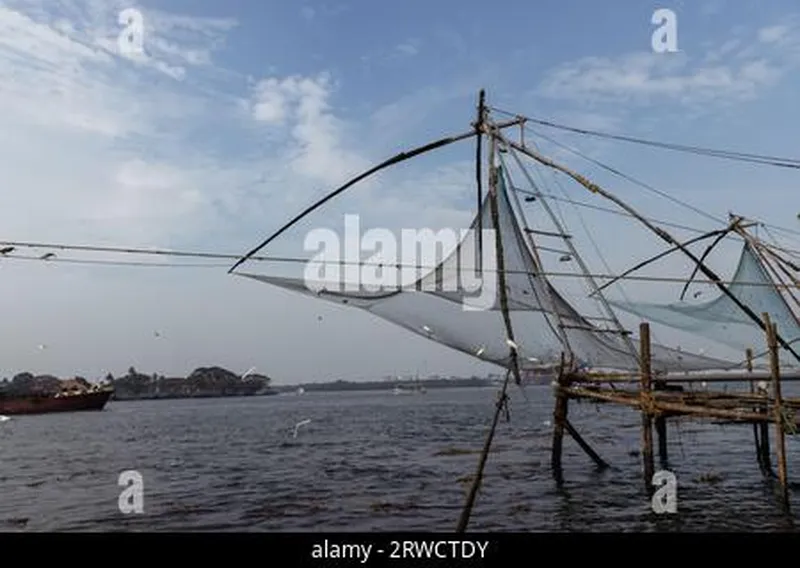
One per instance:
(49, 403)
(300, 390)
(417, 388)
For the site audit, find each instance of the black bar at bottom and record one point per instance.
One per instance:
(290, 550)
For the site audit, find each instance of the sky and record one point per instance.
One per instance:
(238, 114)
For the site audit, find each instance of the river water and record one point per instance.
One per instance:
(369, 461)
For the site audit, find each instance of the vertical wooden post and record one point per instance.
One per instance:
(780, 437)
(661, 432)
(759, 452)
(559, 418)
(646, 402)
(661, 429)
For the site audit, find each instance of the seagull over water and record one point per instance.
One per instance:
(297, 426)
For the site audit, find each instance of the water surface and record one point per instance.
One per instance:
(369, 461)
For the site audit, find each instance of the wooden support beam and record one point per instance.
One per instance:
(661, 428)
(584, 445)
(759, 451)
(559, 419)
(646, 403)
(780, 434)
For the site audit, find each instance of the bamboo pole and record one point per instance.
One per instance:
(661, 432)
(479, 125)
(780, 434)
(559, 418)
(600, 462)
(501, 263)
(463, 520)
(673, 408)
(396, 159)
(646, 404)
(759, 454)
(620, 378)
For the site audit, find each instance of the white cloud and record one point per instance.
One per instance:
(734, 70)
(409, 47)
(316, 132)
(99, 149)
(648, 77)
(773, 33)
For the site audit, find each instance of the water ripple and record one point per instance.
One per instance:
(368, 462)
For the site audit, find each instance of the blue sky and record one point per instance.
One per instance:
(240, 113)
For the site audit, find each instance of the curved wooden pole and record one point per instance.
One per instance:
(396, 159)
(659, 256)
(401, 157)
(702, 259)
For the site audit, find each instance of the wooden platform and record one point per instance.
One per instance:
(657, 399)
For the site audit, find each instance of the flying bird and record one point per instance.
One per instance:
(301, 423)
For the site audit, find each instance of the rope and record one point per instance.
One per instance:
(788, 421)
(726, 154)
(737, 156)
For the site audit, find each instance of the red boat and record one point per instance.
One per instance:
(61, 402)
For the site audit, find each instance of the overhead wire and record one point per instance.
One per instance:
(300, 260)
(557, 198)
(726, 154)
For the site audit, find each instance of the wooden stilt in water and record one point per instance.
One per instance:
(646, 405)
(584, 445)
(756, 427)
(463, 520)
(780, 434)
(661, 432)
(559, 419)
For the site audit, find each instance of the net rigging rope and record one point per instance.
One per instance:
(736, 156)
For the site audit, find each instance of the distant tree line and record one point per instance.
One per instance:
(202, 382)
